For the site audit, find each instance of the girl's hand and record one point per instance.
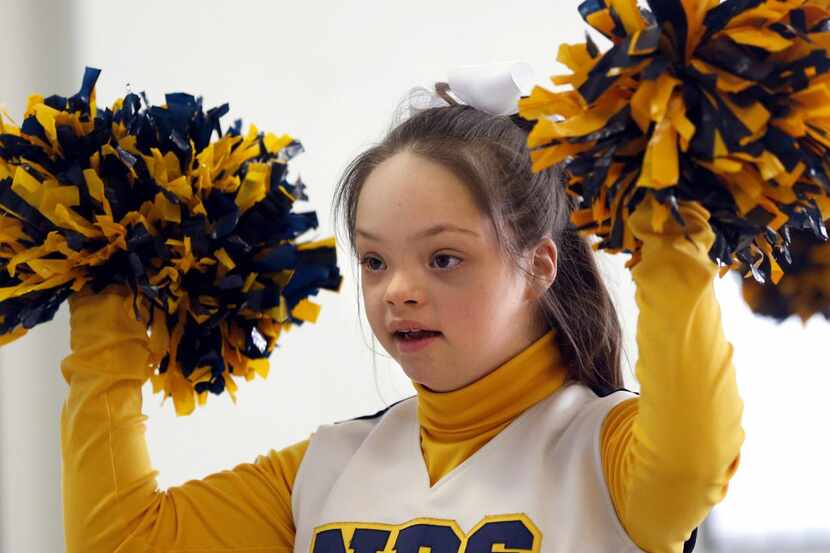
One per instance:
(103, 326)
(645, 224)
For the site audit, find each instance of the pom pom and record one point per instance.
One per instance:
(724, 104)
(202, 231)
(804, 290)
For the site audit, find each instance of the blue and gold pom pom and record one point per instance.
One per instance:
(803, 291)
(200, 229)
(726, 104)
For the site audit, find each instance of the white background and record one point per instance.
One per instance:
(332, 74)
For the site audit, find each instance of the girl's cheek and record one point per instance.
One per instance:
(373, 296)
(373, 299)
(462, 313)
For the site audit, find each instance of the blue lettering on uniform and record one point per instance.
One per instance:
(439, 539)
(329, 541)
(369, 540)
(512, 534)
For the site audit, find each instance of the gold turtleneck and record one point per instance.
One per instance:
(456, 424)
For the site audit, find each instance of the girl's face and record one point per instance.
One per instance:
(454, 281)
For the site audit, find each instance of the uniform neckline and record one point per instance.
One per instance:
(496, 398)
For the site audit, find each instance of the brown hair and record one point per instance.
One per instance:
(489, 154)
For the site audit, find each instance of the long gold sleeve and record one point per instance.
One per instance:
(111, 500)
(668, 455)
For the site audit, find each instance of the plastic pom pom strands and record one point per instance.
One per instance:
(804, 290)
(726, 104)
(201, 231)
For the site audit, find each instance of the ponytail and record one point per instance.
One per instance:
(579, 307)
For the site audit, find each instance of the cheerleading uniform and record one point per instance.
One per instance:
(621, 472)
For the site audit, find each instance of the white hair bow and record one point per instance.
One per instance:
(494, 88)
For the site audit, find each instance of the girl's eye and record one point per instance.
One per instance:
(367, 261)
(445, 256)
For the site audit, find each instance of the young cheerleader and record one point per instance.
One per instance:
(520, 436)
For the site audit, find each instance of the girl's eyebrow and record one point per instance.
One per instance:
(431, 231)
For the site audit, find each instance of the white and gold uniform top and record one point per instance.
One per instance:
(537, 486)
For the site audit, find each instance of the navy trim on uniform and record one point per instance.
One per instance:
(689, 545)
(376, 415)
(608, 391)
(627, 390)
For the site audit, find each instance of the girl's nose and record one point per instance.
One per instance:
(403, 288)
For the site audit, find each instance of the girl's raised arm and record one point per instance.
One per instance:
(111, 500)
(668, 455)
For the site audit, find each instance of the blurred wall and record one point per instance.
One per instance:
(39, 47)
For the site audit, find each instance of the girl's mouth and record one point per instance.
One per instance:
(409, 342)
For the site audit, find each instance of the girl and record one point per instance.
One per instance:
(519, 435)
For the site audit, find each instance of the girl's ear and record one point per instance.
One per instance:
(544, 263)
